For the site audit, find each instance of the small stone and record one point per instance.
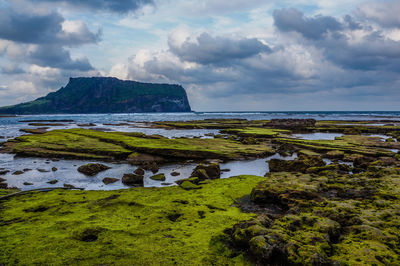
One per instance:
(175, 173)
(27, 170)
(27, 184)
(132, 180)
(54, 169)
(52, 182)
(4, 172)
(18, 172)
(43, 170)
(139, 171)
(69, 186)
(109, 180)
(158, 177)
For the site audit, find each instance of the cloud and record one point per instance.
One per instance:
(47, 28)
(117, 6)
(290, 19)
(206, 49)
(12, 69)
(384, 13)
(56, 57)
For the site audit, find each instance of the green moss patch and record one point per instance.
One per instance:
(144, 226)
(102, 145)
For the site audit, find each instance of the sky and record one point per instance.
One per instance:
(237, 55)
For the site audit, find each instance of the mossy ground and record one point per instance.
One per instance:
(329, 219)
(83, 143)
(140, 226)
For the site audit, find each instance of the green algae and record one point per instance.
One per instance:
(102, 145)
(333, 219)
(141, 226)
(257, 132)
(348, 143)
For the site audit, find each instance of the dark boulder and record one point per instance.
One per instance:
(132, 180)
(207, 171)
(92, 169)
(109, 180)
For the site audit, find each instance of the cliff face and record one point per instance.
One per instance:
(106, 95)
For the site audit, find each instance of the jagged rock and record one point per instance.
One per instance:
(207, 171)
(300, 164)
(92, 169)
(151, 166)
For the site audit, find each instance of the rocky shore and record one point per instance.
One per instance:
(337, 202)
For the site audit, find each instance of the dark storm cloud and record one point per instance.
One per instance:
(217, 50)
(56, 57)
(41, 28)
(290, 19)
(118, 6)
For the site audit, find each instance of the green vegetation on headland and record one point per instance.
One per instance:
(106, 95)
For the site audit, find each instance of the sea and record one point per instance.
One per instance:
(38, 171)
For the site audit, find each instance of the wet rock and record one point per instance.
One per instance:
(54, 169)
(18, 172)
(27, 184)
(87, 125)
(140, 159)
(52, 182)
(132, 180)
(225, 170)
(2, 180)
(69, 186)
(207, 171)
(151, 166)
(92, 169)
(174, 173)
(293, 124)
(139, 171)
(40, 130)
(334, 154)
(43, 170)
(158, 177)
(4, 172)
(27, 170)
(300, 164)
(109, 180)
(166, 184)
(3, 185)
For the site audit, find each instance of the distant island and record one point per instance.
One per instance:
(106, 95)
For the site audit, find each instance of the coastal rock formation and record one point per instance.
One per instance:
(106, 95)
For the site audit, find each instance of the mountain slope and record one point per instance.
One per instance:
(106, 95)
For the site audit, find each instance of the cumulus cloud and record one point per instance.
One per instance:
(206, 49)
(43, 29)
(290, 19)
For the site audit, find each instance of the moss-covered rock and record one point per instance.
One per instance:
(158, 177)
